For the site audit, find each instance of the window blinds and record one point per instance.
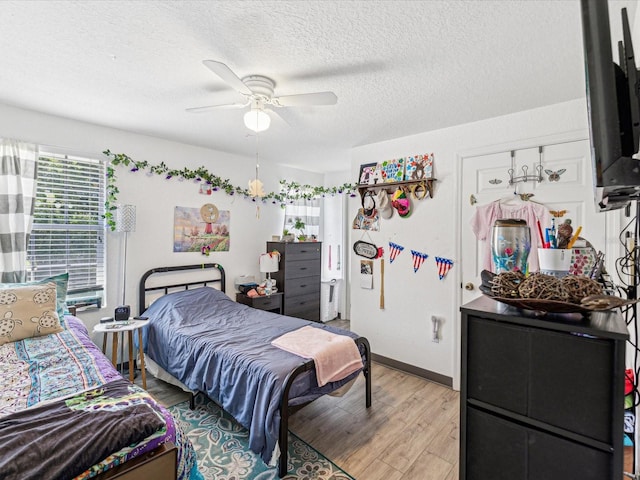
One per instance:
(68, 231)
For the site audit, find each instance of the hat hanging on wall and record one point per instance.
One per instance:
(401, 202)
(368, 204)
(384, 204)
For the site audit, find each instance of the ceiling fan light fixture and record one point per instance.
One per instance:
(257, 120)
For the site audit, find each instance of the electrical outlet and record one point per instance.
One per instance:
(435, 337)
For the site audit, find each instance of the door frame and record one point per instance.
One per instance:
(612, 222)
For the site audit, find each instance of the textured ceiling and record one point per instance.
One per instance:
(397, 67)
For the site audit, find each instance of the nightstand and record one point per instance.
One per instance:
(271, 303)
(128, 326)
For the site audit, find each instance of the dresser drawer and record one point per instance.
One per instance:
(302, 251)
(271, 303)
(303, 286)
(313, 314)
(301, 268)
(303, 306)
(268, 302)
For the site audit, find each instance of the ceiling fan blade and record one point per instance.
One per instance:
(278, 115)
(216, 107)
(304, 99)
(226, 74)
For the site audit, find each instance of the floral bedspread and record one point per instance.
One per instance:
(42, 369)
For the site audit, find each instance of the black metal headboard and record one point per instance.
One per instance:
(143, 289)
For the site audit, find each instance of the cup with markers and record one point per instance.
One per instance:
(553, 260)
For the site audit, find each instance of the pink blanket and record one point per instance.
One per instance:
(335, 356)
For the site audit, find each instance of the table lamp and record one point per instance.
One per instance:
(269, 264)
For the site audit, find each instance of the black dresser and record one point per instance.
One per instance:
(541, 397)
(299, 277)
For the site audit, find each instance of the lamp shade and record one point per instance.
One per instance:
(257, 120)
(126, 218)
(269, 263)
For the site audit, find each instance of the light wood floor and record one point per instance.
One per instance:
(409, 433)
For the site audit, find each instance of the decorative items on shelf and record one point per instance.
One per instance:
(415, 167)
(402, 177)
(419, 167)
(299, 225)
(366, 174)
(287, 236)
(393, 170)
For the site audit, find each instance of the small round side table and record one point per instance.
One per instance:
(126, 326)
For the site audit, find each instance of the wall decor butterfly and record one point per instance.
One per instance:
(495, 181)
(557, 213)
(555, 176)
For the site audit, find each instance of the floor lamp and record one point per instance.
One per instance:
(125, 222)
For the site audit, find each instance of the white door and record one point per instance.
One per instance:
(566, 189)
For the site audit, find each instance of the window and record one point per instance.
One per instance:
(306, 212)
(68, 228)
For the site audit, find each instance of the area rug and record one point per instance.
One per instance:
(222, 447)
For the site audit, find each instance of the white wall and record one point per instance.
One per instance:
(151, 245)
(403, 330)
(335, 234)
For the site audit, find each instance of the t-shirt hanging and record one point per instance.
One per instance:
(486, 215)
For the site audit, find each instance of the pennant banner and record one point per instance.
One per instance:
(418, 259)
(444, 265)
(395, 251)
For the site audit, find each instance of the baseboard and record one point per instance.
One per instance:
(412, 369)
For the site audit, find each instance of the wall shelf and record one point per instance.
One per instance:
(410, 186)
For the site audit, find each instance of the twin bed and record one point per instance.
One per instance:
(65, 411)
(205, 342)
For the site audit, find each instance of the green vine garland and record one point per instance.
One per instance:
(289, 191)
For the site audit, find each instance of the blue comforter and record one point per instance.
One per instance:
(217, 346)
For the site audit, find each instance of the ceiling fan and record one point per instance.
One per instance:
(258, 91)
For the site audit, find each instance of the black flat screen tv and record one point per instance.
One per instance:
(613, 103)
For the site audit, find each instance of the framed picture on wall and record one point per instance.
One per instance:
(366, 173)
(197, 228)
(419, 167)
(393, 170)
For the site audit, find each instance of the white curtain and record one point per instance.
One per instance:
(306, 210)
(18, 174)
